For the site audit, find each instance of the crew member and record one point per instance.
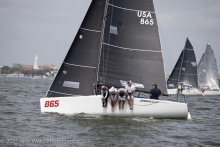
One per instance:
(203, 89)
(105, 95)
(130, 91)
(121, 97)
(155, 92)
(180, 88)
(114, 96)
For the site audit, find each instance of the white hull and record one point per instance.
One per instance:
(93, 105)
(193, 92)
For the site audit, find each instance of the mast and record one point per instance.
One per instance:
(101, 39)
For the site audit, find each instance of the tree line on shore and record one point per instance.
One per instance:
(18, 69)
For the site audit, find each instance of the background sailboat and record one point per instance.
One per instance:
(184, 72)
(117, 41)
(208, 72)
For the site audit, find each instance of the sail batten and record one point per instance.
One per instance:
(79, 65)
(130, 48)
(90, 30)
(128, 8)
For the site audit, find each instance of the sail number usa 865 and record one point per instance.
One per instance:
(51, 103)
(146, 18)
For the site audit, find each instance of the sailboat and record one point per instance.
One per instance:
(208, 72)
(117, 41)
(185, 73)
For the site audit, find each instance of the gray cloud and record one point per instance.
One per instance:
(47, 28)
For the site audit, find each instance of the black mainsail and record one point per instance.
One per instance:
(117, 41)
(131, 48)
(208, 70)
(185, 70)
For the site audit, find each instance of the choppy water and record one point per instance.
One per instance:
(22, 124)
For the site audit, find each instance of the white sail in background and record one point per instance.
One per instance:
(208, 70)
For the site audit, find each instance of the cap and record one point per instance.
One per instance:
(113, 89)
(103, 88)
(154, 85)
(129, 82)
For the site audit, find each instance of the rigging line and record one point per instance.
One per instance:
(101, 39)
(165, 48)
(128, 9)
(108, 46)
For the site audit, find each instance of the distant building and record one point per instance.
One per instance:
(26, 68)
(36, 64)
(54, 67)
(36, 67)
(44, 67)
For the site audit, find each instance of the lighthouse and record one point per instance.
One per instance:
(36, 64)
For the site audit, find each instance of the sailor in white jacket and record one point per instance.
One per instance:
(130, 89)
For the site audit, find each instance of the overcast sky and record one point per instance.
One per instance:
(48, 27)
